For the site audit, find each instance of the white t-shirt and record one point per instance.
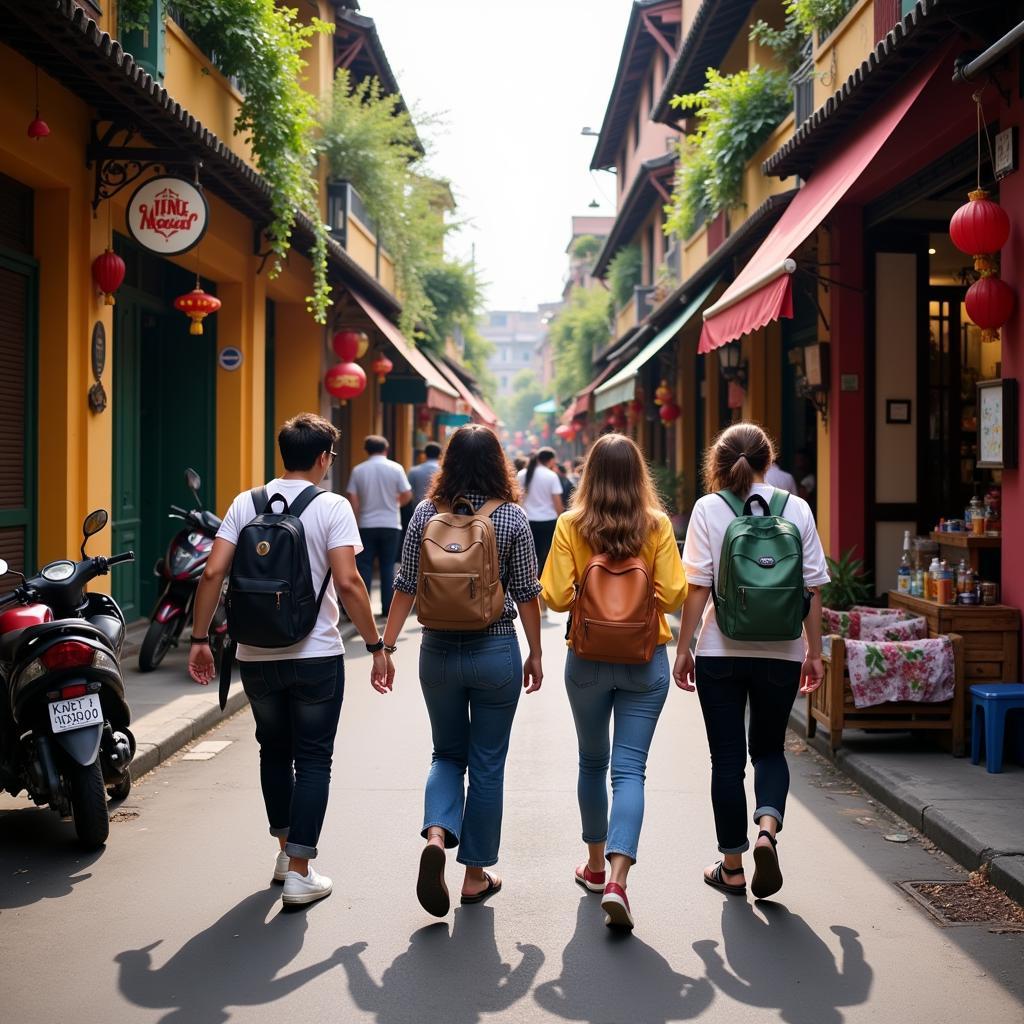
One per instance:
(709, 520)
(328, 523)
(781, 479)
(544, 485)
(377, 483)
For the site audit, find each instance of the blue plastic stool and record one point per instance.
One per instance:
(992, 700)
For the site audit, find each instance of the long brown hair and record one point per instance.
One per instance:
(474, 461)
(736, 456)
(615, 506)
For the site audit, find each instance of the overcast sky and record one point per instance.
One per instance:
(517, 82)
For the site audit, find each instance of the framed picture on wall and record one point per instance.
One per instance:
(897, 410)
(997, 424)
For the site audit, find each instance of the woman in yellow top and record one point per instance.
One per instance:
(615, 512)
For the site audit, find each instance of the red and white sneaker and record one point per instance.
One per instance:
(593, 881)
(615, 905)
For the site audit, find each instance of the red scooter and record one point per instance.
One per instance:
(181, 569)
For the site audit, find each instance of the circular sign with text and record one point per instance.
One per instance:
(167, 216)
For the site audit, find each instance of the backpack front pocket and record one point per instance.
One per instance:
(261, 612)
(621, 642)
(765, 614)
(450, 597)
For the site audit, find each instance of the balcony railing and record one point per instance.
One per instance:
(802, 82)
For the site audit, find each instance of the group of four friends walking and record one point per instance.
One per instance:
(471, 680)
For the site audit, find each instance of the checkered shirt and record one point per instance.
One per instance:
(517, 557)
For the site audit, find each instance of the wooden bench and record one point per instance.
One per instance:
(832, 704)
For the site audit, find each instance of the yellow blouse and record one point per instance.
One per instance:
(570, 554)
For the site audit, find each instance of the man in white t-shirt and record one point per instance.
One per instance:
(296, 692)
(378, 488)
(543, 502)
(776, 476)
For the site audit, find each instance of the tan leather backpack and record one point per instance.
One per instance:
(459, 586)
(614, 613)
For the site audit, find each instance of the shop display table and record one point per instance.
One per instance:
(991, 632)
(954, 546)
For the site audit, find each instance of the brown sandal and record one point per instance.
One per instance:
(431, 890)
(716, 881)
(767, 880)
(492, 888)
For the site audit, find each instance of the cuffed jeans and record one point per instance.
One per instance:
(296, 705)
(724, 686)
(380, 544)
(471, 684)
(632, 696)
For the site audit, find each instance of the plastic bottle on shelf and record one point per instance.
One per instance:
(932, 579)
(904, 575)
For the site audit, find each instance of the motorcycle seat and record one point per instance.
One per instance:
(110, 627)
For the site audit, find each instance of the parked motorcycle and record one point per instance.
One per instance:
(181, 569)
(64, 733)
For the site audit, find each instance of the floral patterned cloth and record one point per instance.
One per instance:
(915, 670)
(887, 627)
(852, 624)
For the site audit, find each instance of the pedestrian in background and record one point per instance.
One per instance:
(616, 513)
(471, 680)
(422, 474)
(296, 692)
(730, 674)
(520, 462)
(568, 487)
(577, 470)
(776, 476)
(543, 502)
(377, 489)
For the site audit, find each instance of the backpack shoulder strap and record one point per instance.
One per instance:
(440, 507)
(488, 508)
(778, 502)
(259, 499)
(732, 501)
(302, 502)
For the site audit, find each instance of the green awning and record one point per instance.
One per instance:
(547, 408)
(622, 386)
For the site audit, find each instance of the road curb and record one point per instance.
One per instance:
(166, 738)
(1006, 868)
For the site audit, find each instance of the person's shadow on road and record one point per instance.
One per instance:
(612, 977)
(237, 961)
(440, 977)
(776, 961)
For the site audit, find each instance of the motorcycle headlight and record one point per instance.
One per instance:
(32, 671)
(180, 561)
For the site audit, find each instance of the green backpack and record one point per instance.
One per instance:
(760, 594)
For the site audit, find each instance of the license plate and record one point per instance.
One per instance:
(76, 713)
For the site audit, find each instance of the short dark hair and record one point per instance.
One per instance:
(303, 439)
(375, 445)
(432, 450)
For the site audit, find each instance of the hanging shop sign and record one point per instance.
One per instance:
(168, 215)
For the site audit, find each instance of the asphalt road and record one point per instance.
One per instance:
(175, 920)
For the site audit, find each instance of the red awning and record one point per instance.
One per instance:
(580, 405)
(762, 291)
(440, 394)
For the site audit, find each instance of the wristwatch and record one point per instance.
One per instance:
(195, 641)
(374, 648)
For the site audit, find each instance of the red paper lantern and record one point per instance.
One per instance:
(564, 431)
(989, 303)
(663, 393)
(350, 344)
(197, 305)
(669, 412)
(38, 128)
(108, 273)
(979, 226)
(345, 381)
(381, 366)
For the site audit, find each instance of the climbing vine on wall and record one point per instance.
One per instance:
(262, 45)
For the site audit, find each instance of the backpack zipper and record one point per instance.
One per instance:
(743, 598)
(277, 597)
(472, 589)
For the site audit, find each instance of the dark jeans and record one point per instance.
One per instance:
(296, 705)
(543, 531)
(380, 544)
(471, 684)
(724, 686)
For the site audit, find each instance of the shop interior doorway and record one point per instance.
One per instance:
(164, 408)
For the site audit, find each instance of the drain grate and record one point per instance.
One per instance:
(974, 902)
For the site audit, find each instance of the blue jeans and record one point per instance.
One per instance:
(471, 684)
(296, 705)
(724, 686)
(632, 695)
(380, 544)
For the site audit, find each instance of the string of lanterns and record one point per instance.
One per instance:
(347, 379)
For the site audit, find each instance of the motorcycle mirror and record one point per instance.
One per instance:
(94, 522)
(194, 482)
(4, 568)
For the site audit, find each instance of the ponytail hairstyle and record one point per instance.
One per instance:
(736, 456)
(615, 508)
(543, 457)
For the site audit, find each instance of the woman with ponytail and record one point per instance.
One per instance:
(730, 674)
(542, 501)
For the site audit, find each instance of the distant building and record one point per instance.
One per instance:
(515, 335)
(581, 264)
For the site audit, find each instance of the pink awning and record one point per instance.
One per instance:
(762, 291)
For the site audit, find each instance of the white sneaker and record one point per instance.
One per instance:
(281, 866)
(299, 889)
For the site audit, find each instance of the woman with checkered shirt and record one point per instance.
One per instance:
(471, 681)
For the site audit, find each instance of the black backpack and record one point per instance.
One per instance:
(270, 600)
